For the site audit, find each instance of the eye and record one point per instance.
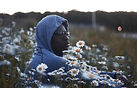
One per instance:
(62, 33)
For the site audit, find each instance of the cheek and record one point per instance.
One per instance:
(57, 42)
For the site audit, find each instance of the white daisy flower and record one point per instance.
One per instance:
(77, 50)
(73, 63)
(120, 57)
(37, 82)
(115, 64)
(41, 68)
(94, 45)
(102, 62)
(104, 58)
(74, 72)
(80, 43)
(79, 56)
(9, 49)
(135, 85)
(95, 83)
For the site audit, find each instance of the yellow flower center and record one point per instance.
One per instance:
(116, 80)
(96, 71)
(72, 62)
(78, 50)
(104, 81)
(80, 43)
(74, 71)
(117, 70)
(95, 83)
(91, 75)
(30, 78)
(40, 68)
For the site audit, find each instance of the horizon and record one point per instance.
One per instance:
(67, 11)
(26, 6)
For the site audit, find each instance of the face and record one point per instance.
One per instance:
(60, 39)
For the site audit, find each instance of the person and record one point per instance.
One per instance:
(52, 37)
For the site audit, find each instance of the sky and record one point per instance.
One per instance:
(13, 6)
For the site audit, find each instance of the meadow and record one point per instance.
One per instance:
(106, 50)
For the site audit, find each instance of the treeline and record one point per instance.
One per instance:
(127, 20)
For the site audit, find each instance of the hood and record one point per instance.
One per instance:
(45, 29)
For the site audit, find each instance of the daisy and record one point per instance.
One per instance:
(135, 85)
(27, 63)
(74, 72)
(73, 63)
(115, 64)
(104, 58)
(41, 68)
(95, 83)
(80, 43)
(102, 62)
(94, 45)
(37, 82)
(120, 57)
(77, 50)
(116, 80)
(9, 49)
(79, 56)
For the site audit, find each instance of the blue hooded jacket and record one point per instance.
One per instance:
(44, 53)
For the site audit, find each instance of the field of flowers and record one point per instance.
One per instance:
(91, 51)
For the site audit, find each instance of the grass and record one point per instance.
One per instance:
(118, 45)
